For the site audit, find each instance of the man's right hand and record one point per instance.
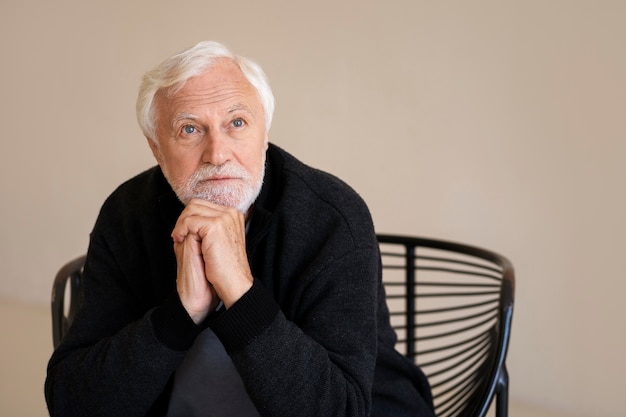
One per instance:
(196, 293)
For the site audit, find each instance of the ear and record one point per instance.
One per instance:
(154, 147)
(266, 143)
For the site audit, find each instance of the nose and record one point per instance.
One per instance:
(216, 149)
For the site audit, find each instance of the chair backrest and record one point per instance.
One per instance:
(451, 306)
(65, 298)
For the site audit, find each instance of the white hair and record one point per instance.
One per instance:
(172, 74)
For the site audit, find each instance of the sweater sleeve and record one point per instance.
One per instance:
(115, 359)
(321, 361)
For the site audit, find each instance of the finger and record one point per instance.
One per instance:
(198, 218)
(196, 294)
(199, 203)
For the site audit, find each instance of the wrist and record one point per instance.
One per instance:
(233, 292)
(173, 326)
(246, 319)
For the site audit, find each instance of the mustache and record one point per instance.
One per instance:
(227, 170)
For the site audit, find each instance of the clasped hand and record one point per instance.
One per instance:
(212, 265)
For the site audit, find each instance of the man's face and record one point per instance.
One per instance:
(211, 139)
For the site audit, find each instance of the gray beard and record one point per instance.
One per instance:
(240, 196)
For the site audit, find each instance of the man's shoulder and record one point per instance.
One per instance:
(313, 183)
(313, 194)
(142, 189)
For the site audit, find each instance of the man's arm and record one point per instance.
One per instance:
(114, 360)
(318, 362)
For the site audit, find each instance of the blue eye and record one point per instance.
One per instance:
(188, 129)
(238, 123)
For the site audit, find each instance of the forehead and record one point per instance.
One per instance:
(223, 84)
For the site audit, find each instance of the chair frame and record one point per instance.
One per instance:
(63, 313)
(498, 378)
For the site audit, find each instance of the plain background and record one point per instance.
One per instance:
(499, 124)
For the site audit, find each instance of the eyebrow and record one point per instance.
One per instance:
(181, 117)
(184, 116)
(240, 107)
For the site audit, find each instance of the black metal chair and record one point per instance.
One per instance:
(451, 306)
(63, 312)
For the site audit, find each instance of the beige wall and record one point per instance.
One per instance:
(501, 124)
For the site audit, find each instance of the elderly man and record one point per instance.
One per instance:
(231, 279)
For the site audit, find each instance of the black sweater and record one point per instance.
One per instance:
(310, 338)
